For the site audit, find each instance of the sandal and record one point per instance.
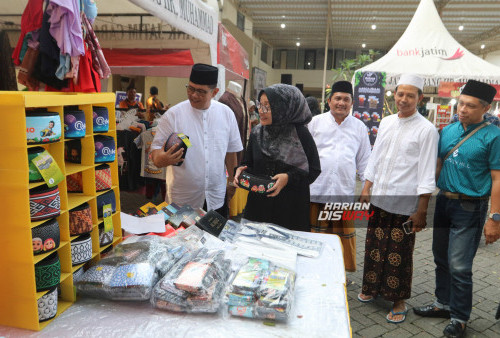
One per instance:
(368, 300)
(404, 312)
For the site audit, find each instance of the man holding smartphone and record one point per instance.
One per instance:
(468, 173)
(399, 179)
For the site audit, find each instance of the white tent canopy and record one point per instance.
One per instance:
(427, 49)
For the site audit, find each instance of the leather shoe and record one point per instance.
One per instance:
(454, 329)
(431, 311)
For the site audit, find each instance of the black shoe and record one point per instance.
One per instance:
(454, 329)
(431, 311)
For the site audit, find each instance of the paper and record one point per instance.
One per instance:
(142, 225)
(108, 220)
(48, 168)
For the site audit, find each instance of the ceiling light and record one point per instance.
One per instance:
(482, 46)
(461, 27)
(363, 45)
(374, 26)
(389, 93)
(283, 25)
(308, 63)
(283, 16)
(453, 102)
(298, 44)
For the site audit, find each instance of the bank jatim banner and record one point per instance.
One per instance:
(369, 90)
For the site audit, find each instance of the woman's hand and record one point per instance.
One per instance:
(237, 174)
(281, 182)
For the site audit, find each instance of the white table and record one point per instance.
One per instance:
(320, 310)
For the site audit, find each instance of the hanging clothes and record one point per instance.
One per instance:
(66, 26)
(99, 62)
(31, 20)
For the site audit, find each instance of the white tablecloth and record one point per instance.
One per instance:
(319, 310)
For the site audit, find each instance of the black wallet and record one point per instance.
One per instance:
(255, 183)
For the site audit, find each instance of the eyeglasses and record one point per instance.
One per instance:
(263, 108)
(192, 90)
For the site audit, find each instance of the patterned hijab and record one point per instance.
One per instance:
(279, 140)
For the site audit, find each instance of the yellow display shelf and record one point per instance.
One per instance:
(18, 288)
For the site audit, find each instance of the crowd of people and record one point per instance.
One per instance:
(314, 162)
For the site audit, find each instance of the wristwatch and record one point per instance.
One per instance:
(495, 216)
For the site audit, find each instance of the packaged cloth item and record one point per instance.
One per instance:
(212, 222)
(48, 272)
(255, 183)
(74, 123)
(47, 306)
(195, 284)
(103, 179)
(45, 203)
(81, 250)
(77, 275)
(45, 237)
(34, 173)
(74, 182)
(173, 139)
(107, 198)
(73, 151)
(80, 220)
(105, 237)
(104, 149)
(261, 289)
(42, 126)
(100, 119)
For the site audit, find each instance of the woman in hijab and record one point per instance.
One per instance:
(282, 148)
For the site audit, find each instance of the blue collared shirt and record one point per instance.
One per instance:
(468, 169)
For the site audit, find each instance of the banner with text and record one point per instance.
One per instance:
(190, 16)
(368, 104)
(453, 89)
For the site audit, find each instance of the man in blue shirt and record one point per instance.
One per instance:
(466, 178)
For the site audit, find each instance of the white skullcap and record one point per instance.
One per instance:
(234, 88)
(251, 104)
(412, 80)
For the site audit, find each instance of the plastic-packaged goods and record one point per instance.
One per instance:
(195, 284)
(262, 290)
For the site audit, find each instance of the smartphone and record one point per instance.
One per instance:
(407, 227)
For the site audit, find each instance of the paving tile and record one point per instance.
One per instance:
(373, 331)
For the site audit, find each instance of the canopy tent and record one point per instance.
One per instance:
(426, 48)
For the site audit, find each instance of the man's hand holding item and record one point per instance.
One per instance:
(163, 158)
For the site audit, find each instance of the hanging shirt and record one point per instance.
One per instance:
(402, 165)
(66, 26)
(213, 132)
(343, 149)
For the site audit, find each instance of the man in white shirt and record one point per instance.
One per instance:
(344, 148)
(200, 181)
(401, 177)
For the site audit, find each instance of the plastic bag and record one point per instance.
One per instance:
(195, 284)
(261, 289)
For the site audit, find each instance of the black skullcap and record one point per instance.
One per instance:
(481, 90)
(153, 90)
(203, 74)
(343, 87)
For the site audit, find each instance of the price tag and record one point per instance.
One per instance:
(108, 220)
(48, 168)
(184, 139)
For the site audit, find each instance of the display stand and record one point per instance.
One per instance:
(18, 306)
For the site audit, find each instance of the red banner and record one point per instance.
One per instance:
(452, 89)
(231, 54)
(134, 57)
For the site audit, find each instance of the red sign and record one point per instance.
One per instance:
(443, 116)
(231, 54)
(453, 89)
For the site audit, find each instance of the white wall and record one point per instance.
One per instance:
(493, 58)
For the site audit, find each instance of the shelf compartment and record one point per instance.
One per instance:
(38, 258)
(76, 199)
(62, 306)
(72, 168)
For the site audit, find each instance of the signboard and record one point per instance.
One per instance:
(190, 16)
(453, 89)
(120, 96)
(259, 81)
(443, 116)
(368, 105)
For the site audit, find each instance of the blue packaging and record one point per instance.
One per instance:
(42, 126)
(104, 149)
(74, 123)
(100, 119)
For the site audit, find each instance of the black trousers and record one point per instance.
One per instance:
(223, 211)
